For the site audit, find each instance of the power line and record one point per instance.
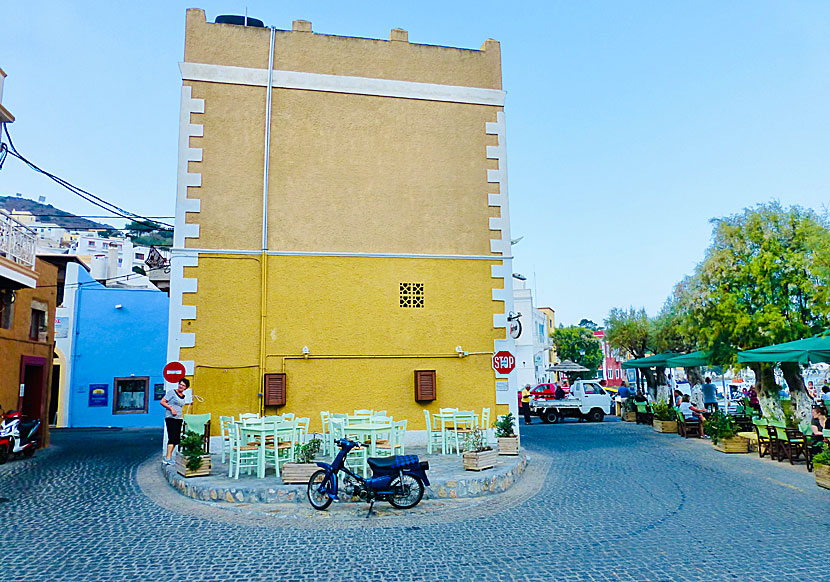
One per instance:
(70, 215)
(88, 196)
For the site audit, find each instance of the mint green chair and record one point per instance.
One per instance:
(395, 444)
(435, 438)
(302, 428)
(356, 460)
(224, 430)
(200, 424)
(287, 416)
(279, 449)
(241, 454)
(248, 415)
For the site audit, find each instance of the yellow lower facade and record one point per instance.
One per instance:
(363, 347)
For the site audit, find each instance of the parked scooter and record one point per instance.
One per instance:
(399, 480)
(18, 436)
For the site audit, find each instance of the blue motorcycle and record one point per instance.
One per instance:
(399, 480)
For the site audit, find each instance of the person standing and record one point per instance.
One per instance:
(526, 403)
(624, 392)
(710, 398)
(173, 402)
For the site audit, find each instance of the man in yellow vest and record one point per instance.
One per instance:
(526, 403)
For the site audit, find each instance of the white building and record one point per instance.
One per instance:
(533, 343)
(126, 254)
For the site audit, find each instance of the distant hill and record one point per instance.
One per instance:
(48, 213)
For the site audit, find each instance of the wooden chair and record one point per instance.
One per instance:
(775, 450)
(764, 445)
(644, 415)
(795, 446)
(687, 427)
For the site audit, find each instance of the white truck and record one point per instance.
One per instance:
(587, 400)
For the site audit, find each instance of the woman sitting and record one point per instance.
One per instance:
(817, 425)
(689, 412)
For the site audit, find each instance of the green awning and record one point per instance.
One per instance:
(691, 360)
(804, 351)
(658, 360)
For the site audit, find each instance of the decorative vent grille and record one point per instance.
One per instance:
(274, 389)
(412, 295)
(425, 385)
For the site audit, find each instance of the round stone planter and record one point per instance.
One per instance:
(665, 425)
(734, 444)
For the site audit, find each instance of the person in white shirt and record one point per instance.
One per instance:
(690, 412)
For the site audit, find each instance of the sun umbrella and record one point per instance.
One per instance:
(659, 360)
(804, 351)
(691, 360)
(567, 366)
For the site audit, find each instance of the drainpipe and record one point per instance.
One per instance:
(263, 306)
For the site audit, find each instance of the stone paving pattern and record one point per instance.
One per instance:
(446, 474)
(607, 501)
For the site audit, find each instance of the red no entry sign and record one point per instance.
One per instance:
(504, 362)
(173, 372)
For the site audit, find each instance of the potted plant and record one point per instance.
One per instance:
(664, 418)
(192, 460)
(303, 467)
(723, 431)
(629, 409)
(506, 435)
(821, 467)
(478, 455)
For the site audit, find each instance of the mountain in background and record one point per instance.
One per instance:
(48, 213)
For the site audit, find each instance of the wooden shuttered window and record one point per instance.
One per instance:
(425, 385)
(274, 389)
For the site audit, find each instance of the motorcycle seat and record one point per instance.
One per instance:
(396, 462)
(25, 426)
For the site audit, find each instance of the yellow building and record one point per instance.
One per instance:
(341, 219)
(550, 326)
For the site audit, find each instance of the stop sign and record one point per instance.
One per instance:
(173, 372)
(504, 362)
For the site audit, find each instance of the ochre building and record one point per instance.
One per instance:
(342, 233)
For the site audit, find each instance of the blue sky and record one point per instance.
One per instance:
(630, 124)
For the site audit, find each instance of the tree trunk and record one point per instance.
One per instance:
(651, 381)
(767, 391)
(799, 399)
(662, 392)
(694, 376)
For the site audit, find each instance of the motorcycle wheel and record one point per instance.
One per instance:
(410, 494)
(318, 495)
(4, 454)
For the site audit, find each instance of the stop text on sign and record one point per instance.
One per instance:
(504, 362)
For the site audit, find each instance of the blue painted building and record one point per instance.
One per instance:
(113, 344)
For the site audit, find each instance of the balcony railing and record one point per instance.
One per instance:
(17, 242)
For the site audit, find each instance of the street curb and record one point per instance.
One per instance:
(477, 485)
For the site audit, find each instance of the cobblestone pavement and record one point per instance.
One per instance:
(608, 501)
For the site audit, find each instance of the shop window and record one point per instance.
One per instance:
(130, 395)
(139, 256)
(412, 295)
(6, 308)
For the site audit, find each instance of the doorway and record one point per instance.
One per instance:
(54, 398)
(33, 386)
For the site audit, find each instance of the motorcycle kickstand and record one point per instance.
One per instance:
(371, 508)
